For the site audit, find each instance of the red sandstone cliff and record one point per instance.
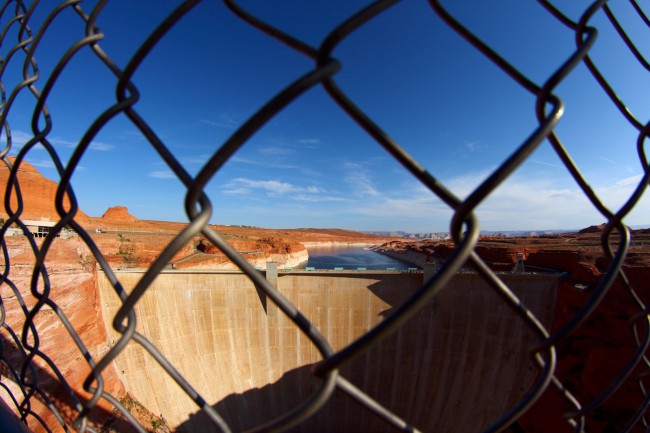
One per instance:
(119, 215)
(37, 194)
(73, 287)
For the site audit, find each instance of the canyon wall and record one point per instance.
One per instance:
(37, 194)
(72, 286)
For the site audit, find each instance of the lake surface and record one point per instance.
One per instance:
(351, 258)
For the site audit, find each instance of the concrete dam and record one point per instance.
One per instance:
(456, 366)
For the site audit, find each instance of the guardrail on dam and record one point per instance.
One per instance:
(247, 360)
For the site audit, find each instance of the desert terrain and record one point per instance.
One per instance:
(589, 358)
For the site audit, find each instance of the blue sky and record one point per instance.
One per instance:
(311, 165)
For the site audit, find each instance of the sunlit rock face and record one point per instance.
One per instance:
(37, 193)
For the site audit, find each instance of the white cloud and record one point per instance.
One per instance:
(96, 145)
(263, 163)
(276, 188)
(195, 160)
(42, 163)
(224, 120)
(162, 174)
(58, 141)
(632, 180)
(270, 186)
(617, 164)
(319, 198)
(19, 138)
(475, 145)
(521, 202)
(546, 163)
(359, 179)
(308, 141)
(276, 150)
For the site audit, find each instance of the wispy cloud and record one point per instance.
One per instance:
(632, 180)
(276, 150)
(96, 145)
(617, 164)
(162, 174)
(272, 187)
(475, 145)
(276, 188)
(19, 138)
(195, 160)
(58, 141)
(224, 120)
(319, 198)
(41, 163)
(546, 163)
(358, 177)
(308, 141)
(521, 202)
(270, 163)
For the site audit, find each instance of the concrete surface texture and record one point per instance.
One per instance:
(458, 365)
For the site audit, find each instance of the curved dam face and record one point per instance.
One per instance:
(456, 366)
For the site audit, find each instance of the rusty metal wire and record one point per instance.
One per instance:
(19, 367)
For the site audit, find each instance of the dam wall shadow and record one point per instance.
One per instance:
(458, 364)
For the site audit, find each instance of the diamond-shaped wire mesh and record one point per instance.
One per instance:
(33, 384)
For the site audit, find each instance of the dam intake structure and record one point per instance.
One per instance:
(248, 362)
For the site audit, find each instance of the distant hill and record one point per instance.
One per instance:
(445, 235)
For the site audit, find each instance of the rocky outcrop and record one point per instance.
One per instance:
(119, 214)
(592, 229)
(289, 260)
(413, 257)
(285, 254)
(37, 192)
(73, 283)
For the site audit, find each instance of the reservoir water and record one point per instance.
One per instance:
(351, 258)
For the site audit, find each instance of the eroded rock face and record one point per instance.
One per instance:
(207, 248)
(73, 289)
(37, 194)
(257, 253)
(119, 214)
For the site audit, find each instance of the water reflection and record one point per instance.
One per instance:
(351, 258)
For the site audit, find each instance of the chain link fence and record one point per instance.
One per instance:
(24, 364)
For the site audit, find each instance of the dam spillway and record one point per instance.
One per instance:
(461, 362)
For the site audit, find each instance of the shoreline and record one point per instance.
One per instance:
(308, 245)
(413, 258)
